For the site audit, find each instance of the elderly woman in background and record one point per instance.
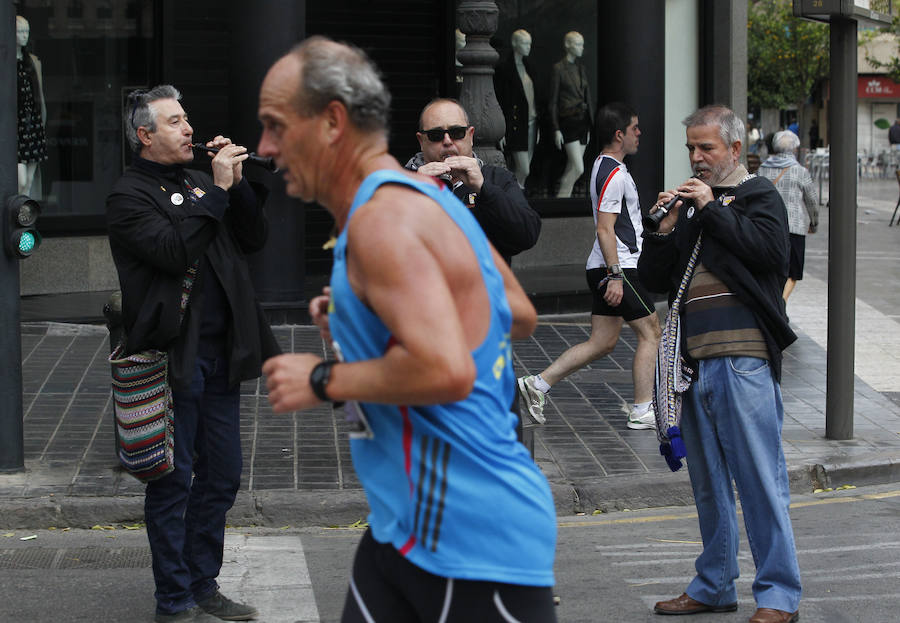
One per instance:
(795, 185)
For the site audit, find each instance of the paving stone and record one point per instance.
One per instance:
(69, 426)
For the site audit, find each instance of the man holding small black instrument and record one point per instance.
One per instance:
(733, 329)
(491, 193)
(178, 239)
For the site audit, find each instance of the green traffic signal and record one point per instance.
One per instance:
(21, 238)
(27, 242)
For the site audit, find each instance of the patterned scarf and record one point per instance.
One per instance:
(673, 375)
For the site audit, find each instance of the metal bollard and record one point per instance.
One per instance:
(527, 436)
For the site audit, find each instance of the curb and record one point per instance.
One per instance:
(869, 469)
(273, 508)
(289, 507)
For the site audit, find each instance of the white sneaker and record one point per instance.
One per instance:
(642, 422)
(533, 397)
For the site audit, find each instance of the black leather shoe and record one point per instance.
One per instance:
(220, 606)
(686, 605)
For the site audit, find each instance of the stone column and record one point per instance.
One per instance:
(260, 34)
(478, 20)
(724, 54)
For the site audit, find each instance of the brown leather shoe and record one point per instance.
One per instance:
(770, 615)
(685, 605)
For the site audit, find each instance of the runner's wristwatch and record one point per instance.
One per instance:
(318, 379)
(614, 271)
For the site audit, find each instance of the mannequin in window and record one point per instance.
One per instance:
(460, 44)
(515, 94)
(32, 143)
(570, 110)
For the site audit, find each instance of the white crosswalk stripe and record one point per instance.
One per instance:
(669, 567)
(269, 572)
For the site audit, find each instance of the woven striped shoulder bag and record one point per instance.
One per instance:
(142, 401)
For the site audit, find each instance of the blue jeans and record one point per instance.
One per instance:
(185, 518)
(731, 424)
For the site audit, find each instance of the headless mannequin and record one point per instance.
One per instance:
(26, 170)
(460, 44)
(574, 44)
(521, 45)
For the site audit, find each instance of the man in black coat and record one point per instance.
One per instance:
(732, 331)
(492, 193)
(164, 220)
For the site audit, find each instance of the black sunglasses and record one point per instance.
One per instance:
(436, 135)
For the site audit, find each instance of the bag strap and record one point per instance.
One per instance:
(187, 284)
(688, 273)
(783, 171)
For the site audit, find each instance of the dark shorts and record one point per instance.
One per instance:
(387, 587)
(575, 129)
(636, 301)
(798, 251)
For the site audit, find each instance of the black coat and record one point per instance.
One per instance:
(512, 100)
(745, 244)
(153, 242)
(502, 210)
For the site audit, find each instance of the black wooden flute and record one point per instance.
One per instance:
(260, 161)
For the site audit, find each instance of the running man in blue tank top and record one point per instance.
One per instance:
(421, 312)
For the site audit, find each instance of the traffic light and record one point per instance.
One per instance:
(21, 238)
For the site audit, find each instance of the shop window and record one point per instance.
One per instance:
(85, 57)
(546, 84)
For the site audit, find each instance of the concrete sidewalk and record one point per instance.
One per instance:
(297, 469)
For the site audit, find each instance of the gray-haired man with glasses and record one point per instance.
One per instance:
(166, 222)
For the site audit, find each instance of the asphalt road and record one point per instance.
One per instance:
(609, 567)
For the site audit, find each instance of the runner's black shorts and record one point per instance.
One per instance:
(385, 586)
(636, 301)
(798, 251)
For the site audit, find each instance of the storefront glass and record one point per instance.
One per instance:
(84, 58)
(546, 84)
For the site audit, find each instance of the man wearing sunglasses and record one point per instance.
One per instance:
(492, 193)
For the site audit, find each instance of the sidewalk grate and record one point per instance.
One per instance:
(80, 558)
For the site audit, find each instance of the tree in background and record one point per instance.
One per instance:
(786, 56)
(892, 65)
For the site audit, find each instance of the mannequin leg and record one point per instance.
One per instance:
(26, 171)
(788, 288)
(574, 168)
(22, 169)
(522, 166)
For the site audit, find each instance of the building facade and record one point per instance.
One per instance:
(664, 57)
